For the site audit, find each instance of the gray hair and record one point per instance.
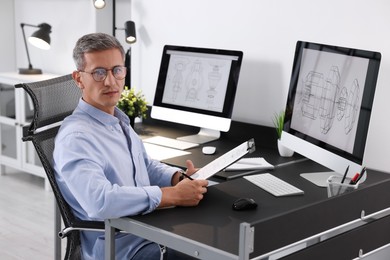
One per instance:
(94, 42)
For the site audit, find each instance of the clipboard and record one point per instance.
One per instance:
(225, 160)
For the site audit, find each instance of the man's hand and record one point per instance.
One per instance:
(186, 192)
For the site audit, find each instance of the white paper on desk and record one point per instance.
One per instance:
(224, 160)
(254, 163)
(160, 153)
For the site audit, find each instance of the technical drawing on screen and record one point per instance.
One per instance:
(197, 87)
(329, 104)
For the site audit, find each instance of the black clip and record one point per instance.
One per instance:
(251, 146)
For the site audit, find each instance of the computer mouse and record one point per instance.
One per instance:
(208, 149)
(244, 204)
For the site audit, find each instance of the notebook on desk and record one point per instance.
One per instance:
(245, 166)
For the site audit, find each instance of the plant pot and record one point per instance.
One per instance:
(284, 151)
(132, 121)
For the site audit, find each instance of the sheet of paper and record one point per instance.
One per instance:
(162, 153)
(254, 163)
(225, 160)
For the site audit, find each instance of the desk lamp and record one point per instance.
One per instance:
(40, 39)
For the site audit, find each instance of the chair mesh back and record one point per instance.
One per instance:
(53, 100)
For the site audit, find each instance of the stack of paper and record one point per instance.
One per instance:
(255, 163)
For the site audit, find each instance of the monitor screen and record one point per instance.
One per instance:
(197, 87)
(329, 104)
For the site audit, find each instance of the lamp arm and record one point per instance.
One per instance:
(113, 17)
(25, 44)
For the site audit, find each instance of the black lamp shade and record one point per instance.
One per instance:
(41, 38)
(130, 32)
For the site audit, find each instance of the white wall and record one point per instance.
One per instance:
(265, 30)
(7, 32)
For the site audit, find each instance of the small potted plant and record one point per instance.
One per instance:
(133, 104)
(278, 121)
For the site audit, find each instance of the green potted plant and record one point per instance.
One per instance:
(278, 121)
(133, 104)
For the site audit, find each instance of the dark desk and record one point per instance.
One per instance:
(306, 224)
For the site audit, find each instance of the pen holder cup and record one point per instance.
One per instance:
(335, 187)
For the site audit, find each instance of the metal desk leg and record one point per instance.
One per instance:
(109, 241)
(246, 243)
(57, 229)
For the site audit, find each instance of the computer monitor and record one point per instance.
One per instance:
(329, 106)
(197, 87)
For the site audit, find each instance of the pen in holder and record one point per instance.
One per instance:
(335, 187)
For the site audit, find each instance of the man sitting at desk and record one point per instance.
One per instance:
(101, 165)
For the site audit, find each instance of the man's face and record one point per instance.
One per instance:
(105, 94)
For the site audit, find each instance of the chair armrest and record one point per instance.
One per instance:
(82, 225)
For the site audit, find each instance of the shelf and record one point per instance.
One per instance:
(15, 113)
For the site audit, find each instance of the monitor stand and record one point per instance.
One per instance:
(319, 178)
(204, 136)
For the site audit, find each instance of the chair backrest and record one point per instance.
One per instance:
(53, 100)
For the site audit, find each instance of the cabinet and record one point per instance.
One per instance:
(16, 111)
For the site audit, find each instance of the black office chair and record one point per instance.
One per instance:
(53, 100)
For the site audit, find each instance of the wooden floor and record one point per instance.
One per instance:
(26, 218)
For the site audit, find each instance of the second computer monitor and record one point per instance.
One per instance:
(329, 104)
(197, 87)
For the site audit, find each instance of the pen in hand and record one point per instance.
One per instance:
(186, 175)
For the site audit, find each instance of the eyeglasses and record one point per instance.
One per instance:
(100, 74)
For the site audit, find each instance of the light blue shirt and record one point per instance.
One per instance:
(103, 171)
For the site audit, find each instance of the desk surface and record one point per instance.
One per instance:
(278, 221)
